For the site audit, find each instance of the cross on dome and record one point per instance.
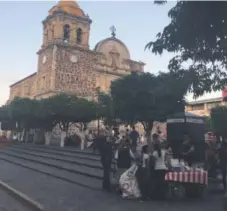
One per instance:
(113, 31)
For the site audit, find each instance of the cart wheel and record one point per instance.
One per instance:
(201, 191)
(175, 191)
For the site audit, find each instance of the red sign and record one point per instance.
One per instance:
(224, 93)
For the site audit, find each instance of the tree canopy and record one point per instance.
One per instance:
(62, 109)
(106, 109)
(197, 34)
(23, 111)
(145, 98)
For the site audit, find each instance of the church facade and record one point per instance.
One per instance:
(67, 64)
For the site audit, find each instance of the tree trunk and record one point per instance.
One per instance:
(48, 135)
(63, 136)
(35, 137)
(26, 136)
(22, 135)
(82, 138)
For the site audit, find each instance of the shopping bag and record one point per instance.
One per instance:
(128, 183)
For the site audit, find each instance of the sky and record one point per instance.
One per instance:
(136, 24)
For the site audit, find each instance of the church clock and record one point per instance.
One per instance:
(74, 58)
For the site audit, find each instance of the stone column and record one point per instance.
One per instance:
(85, 38)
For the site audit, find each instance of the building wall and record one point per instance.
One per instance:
(204, 109)
(46, 71)
(24, 88)
(75, 76)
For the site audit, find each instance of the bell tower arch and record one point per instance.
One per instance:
(66, 23)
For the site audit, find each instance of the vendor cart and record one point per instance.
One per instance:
(191, 183)
(183, 123)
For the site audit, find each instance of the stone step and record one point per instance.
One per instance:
(62, 174)
(86, 151)
(60, 151)
(88, 163)
(77, 169)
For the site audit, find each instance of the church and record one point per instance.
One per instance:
(67, 64)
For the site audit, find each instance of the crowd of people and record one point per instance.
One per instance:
(216, 156)
(130, 155)
(128, 159)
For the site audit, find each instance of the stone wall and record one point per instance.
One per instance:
(75, 77)
(24, 88)
(45, 74)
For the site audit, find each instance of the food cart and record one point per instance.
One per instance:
(185, 180)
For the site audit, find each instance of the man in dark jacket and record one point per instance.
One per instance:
(134, 135)
(105, 149)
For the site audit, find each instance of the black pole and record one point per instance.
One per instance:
(98, 126)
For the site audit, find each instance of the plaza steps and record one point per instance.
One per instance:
(69, 164)
(80, 168)
(74, 153)
(92, 163)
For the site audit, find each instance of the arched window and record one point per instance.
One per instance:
(66, 32)
(79, 35)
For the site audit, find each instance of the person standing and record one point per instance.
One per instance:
(160, 168)
(143, 173)
(223, 161)
(188, 150)
(123, 158)
(134, 135)
(105, 149)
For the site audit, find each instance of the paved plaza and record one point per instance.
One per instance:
(9, 203)
(58, 195)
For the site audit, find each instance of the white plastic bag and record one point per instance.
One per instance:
(128, 183)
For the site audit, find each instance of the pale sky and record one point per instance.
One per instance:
(137, 23)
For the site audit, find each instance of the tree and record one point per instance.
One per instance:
(6, 122)
(145, 98)
(208, 124)
(4, 113)
(85, 112)
(61, 108)
(23, 112)
(219, 120)
(45, 118)
(66, 110)
(197, 35)
(106, 109)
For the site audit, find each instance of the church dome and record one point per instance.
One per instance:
(70, 7)
(112, 44)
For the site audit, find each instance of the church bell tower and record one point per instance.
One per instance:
(65, 61)
(66, 23)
